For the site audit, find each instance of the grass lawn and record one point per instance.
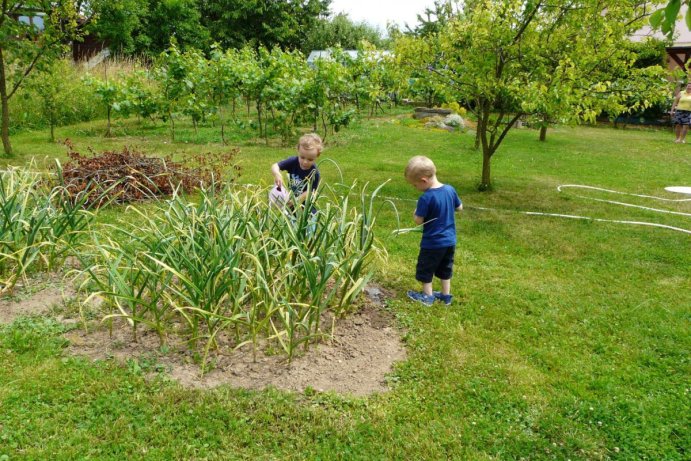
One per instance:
(570, 338)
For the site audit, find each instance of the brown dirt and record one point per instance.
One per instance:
(356, 361)
(26, 301)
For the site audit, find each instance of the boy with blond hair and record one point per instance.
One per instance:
(435, 211)
(302, 169)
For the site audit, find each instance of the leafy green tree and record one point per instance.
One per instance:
(434, 19)
(172, 72)
(53, 95)
(168, 19)
(326, 91)
(508, 59)
(268, 23)
(196, 103)
(145, 27)
(665, 18)
(633, 81)
(377, 77)
(340, 31)
(51, 89)
(32, 33)
(235, 64)
(119, 23)
(222, 87)
(283, 96)
(420, 87)
(111, 94)
(139, 92)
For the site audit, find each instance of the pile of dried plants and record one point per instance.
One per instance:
(129, 175)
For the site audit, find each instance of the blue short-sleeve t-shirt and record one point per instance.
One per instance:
(437, 207)
(298, 179)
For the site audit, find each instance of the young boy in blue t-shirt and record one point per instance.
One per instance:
(302, 169)
(435, 209)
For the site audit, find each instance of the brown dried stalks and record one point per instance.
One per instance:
(130, 175)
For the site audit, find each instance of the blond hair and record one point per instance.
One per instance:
(420, 167)
(311, 141)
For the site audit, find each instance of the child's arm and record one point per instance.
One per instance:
(418, 219)
(459, 208)
(278, 177)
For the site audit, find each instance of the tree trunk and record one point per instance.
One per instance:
(485, 183)
(172, 127)
(108, 133)
(543, 133)
(326, 132)
(5, 109)
(487, 147)
(259, 119)
(222, 121)
(52, 131)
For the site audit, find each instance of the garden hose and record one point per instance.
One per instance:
(568, 216)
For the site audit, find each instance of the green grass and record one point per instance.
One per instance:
(570, 341)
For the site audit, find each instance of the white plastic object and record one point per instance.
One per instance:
(278, 197)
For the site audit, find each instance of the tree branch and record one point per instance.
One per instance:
(508, 126)
(31, 65)
(527, 22)
(27, 71)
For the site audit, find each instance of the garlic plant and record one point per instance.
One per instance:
(228, 263)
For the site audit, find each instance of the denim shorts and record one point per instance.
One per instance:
(436, 262)
(682, 117)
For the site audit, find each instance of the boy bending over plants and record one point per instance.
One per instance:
(302, 170)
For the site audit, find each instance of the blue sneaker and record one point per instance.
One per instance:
(419, 296)
(446, 299)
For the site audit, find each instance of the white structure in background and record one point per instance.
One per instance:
(326, 54)
(353, 54)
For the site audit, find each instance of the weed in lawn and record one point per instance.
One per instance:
(38, 335)
(146, 363)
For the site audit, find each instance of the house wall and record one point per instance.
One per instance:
(680, 51)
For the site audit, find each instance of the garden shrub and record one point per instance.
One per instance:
(55, 93)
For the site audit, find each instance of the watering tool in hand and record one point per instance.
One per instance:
(278, 196)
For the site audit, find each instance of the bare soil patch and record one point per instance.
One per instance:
(33, 297)
(356, 361)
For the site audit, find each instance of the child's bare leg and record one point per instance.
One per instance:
(427, 288)
(677, 132)
(446, 287)
(684, 129)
